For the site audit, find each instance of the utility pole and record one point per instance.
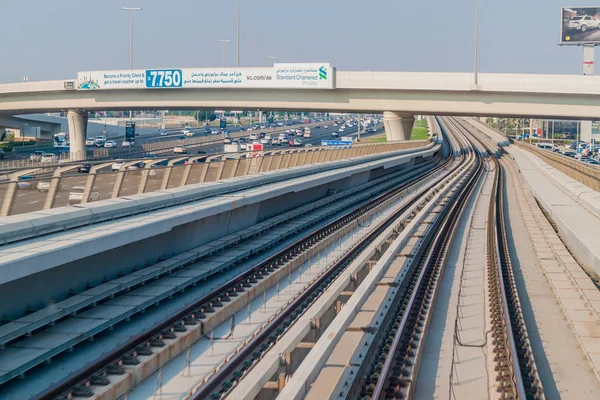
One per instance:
(131, 11)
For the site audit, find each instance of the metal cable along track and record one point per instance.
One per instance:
(78, 383)
(387, 374)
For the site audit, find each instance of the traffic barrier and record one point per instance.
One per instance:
(101, 186)
(587, 174)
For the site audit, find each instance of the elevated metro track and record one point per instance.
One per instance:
(340, 288)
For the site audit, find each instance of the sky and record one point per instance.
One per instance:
(53, 39)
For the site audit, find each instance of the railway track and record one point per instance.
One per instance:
(393, 367)
(224, 380)
(82, 382)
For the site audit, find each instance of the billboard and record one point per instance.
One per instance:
(280, 76)
(580, 25)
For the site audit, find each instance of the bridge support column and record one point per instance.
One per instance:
(397, 127)
(77, 120)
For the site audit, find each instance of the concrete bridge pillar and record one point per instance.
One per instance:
(77, 120)
(397, 127)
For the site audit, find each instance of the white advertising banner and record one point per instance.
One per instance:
(280, 76)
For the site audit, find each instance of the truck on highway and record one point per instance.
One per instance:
(232, 148)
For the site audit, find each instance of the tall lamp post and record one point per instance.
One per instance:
(131, 11)
(223, 42)
(476, 80)
(273, 58)
(238, 33)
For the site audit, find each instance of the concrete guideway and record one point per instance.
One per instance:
(316, 324)
(17, 263)
(216, 257)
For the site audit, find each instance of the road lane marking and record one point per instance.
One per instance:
(33, 202)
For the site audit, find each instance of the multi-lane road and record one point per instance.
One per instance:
(33, 200)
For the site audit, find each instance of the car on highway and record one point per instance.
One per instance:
(84, 168)
(188, 132)
(110, 144)
(116, 166)
(325, 126)
(295, 142)
(180, 149)
(592, 161)
(253, 136)
(43, 186)
(76, 195)
(99, 141)
(214, 132)
(127, 143)
(89, 142)
(207, 131)
(227, 140)
(136, 166)
(308, 145)
(49, 158)
(36, 155)
(583, 22)
(164, 132)
(275, 141)
(334, 134)
(26, 182)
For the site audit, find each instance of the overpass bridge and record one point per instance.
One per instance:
(398, 95)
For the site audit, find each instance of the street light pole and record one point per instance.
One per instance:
(476, 80)
(131, 11)
(238, 33)
(223, 42)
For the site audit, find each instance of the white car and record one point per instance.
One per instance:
(265, 140)
(110, 144)
(253, 136)
(334, 134)
(583, 22)
(275, 142)
(37, 155)
(76, 195)
(214, 132)
(49, 158)
(89, 142)
(117, 165)
(99, 141)
(127, 143)
(243, 145)
(43, 186)
(227, 140)
(163, 132)
(188, 132)
(179, 150)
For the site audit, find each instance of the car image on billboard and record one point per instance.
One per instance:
(580, 25)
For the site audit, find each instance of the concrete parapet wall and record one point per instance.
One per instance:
(573, 207)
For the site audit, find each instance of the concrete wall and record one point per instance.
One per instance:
(58, 283)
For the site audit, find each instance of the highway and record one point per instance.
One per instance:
(32, 200)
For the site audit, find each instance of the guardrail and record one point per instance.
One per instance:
(61, 190)
(589, 175)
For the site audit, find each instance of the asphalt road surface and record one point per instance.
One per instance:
(28, 200)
